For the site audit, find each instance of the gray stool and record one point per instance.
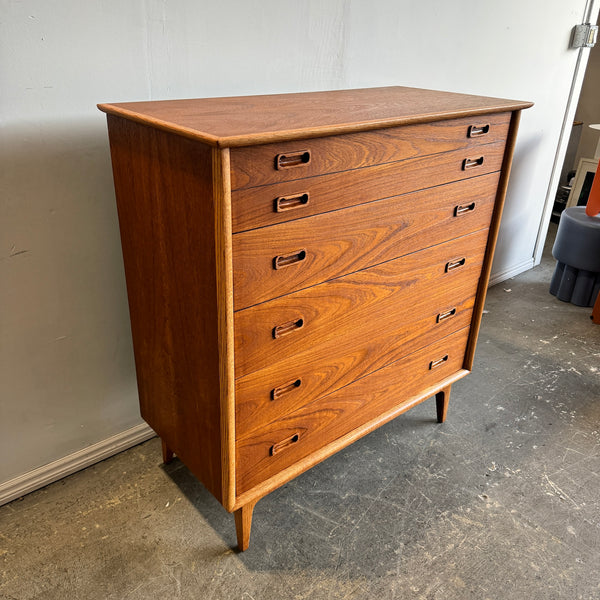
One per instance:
(576, 278)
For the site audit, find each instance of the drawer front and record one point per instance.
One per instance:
(267, 451)
(261, 206)
(277, 390)
(269, 332)
(325, 246)
(286, 161)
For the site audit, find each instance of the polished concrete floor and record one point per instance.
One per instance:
(500, 502)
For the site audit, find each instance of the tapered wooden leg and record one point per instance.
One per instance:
(167, 453)
(442, 399)
(596, 311)
(243, 524)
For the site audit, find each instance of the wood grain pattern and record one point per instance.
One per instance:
(243, 524)
(164, 190)
(242, 121)
(332, 416)
(255, 165)
(253, 207)
(354, 353)
(357, 292)
(225, 331)
(281, 477)
(369, 296)
(344, 241)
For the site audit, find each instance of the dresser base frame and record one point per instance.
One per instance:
(245, 503)
(243, 513)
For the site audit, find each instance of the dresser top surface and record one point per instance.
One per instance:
(249, 120)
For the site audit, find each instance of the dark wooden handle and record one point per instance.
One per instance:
(464, 209)
(289, 327)
(292, 159)
(277, 392)
(290, 202)
(437, 363)
(446, 315)
(455, 264)
(279, 446)
(285, 260)
(472, 163)
(478, 130)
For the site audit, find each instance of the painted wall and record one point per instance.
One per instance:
(66, 368)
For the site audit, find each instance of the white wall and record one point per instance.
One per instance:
(66, 369)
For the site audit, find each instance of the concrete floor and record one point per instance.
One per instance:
(500, 502)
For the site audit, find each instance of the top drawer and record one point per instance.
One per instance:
(286, 161)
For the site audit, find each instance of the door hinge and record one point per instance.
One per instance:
(584, 36)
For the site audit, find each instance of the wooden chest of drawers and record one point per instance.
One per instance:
(302, 268)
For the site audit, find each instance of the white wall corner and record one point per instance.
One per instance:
(513, 271)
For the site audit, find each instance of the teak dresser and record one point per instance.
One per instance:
(302, 268)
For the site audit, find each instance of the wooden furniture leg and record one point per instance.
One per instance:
(442, 398)
(596, 311)
(243, 524)
(167, 453)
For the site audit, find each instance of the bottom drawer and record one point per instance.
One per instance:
(270, 449)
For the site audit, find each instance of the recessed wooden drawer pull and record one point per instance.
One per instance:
(471, 163)
(478, 130)
(284, 203)
(289, 259)
(446, 315)
(437, 363)
(288, 327)
(277, 392)
(275, 448)
(465, 208)
(455, 264)
(292, 159)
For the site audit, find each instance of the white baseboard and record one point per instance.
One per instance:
(512, 272)
(38, 478)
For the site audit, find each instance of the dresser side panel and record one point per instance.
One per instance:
(164, 190)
